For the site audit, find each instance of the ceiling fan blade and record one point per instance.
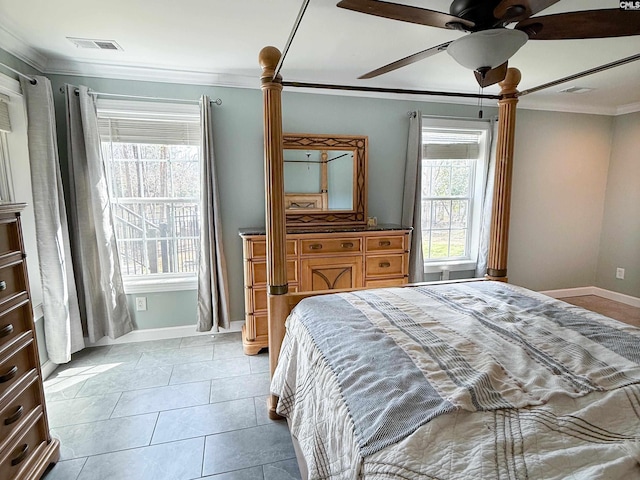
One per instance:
(517, 10)
(405, 13)
(491, 76)
(613, 22)
(416, 57)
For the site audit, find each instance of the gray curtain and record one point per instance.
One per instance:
(412, 196)
(487, 205)
(94, 244)
(213, 292)
(62, 324)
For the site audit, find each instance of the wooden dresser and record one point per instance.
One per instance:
(321, 260)
(26, 446)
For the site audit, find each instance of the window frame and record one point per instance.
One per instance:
(476, 203)
(109, 108)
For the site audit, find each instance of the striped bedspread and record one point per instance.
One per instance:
(373, 380)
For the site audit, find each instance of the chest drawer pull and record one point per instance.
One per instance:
(3, 285)
(347, 245)
(384, 243)
(6, 331)
(9, 375)
(15, 417)
(315, 246)
(24, 451)
(384, 264)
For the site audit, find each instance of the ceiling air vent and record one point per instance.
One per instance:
(95, 44)
(576, 90)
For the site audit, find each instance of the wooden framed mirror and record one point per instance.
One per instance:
(325, 178)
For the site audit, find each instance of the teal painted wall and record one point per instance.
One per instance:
(17, 64)
(620, 239)
(555, 177)
(169, 309)
(238, 143)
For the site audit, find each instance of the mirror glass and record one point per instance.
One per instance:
(313, 172)
(325, 179)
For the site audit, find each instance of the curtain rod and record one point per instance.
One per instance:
(388, 90)
(413, 114)
(32, 80)
(217, 101)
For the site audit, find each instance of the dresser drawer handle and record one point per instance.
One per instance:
(315, 246)
(384, 264)
(24, 451)
(6, 331)
(9, 375)
(15, 417)
(347, 245)
(384, 243)
(3, 285)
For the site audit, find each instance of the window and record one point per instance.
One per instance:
(152, 159)
(454, 163)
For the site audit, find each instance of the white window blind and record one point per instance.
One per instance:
(451, 145)
(5, 121)
(145, 122)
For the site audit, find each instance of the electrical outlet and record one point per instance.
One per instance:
(620, 273)
(141, 304)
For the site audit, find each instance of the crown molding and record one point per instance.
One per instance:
(532, 104)
(148, 74)
(17, 47)
(630, 108)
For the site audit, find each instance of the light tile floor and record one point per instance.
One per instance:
(178, 409)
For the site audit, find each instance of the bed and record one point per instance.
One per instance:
(469, 380)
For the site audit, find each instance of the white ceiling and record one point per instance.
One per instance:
(217, 42)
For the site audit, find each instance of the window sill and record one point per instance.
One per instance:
(451, 266)
(159, 284)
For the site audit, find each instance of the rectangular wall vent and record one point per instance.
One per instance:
(95, 44)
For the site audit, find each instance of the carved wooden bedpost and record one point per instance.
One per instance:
(277, 286)
(499, 239)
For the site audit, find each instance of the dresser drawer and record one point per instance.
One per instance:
(385, 265)
(15, 319)
(386, 282)
(18, 455)
(326, 246)
(331, 273)
(17, 362)
(12, 281)
(9, 236)
(258, 272)
(258, 298)
(382, 244)
(258, 248)
(16, 410)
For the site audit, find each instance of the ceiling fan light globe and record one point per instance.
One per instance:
(487, 48)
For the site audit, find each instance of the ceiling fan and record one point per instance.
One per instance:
(490, 43)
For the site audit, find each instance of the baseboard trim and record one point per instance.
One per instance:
(600, 292)
(47, 368)
(162, 334)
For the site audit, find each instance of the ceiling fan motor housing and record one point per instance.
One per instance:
(479, 12)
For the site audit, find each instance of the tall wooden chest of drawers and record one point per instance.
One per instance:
(26, 446)
(321, 260)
